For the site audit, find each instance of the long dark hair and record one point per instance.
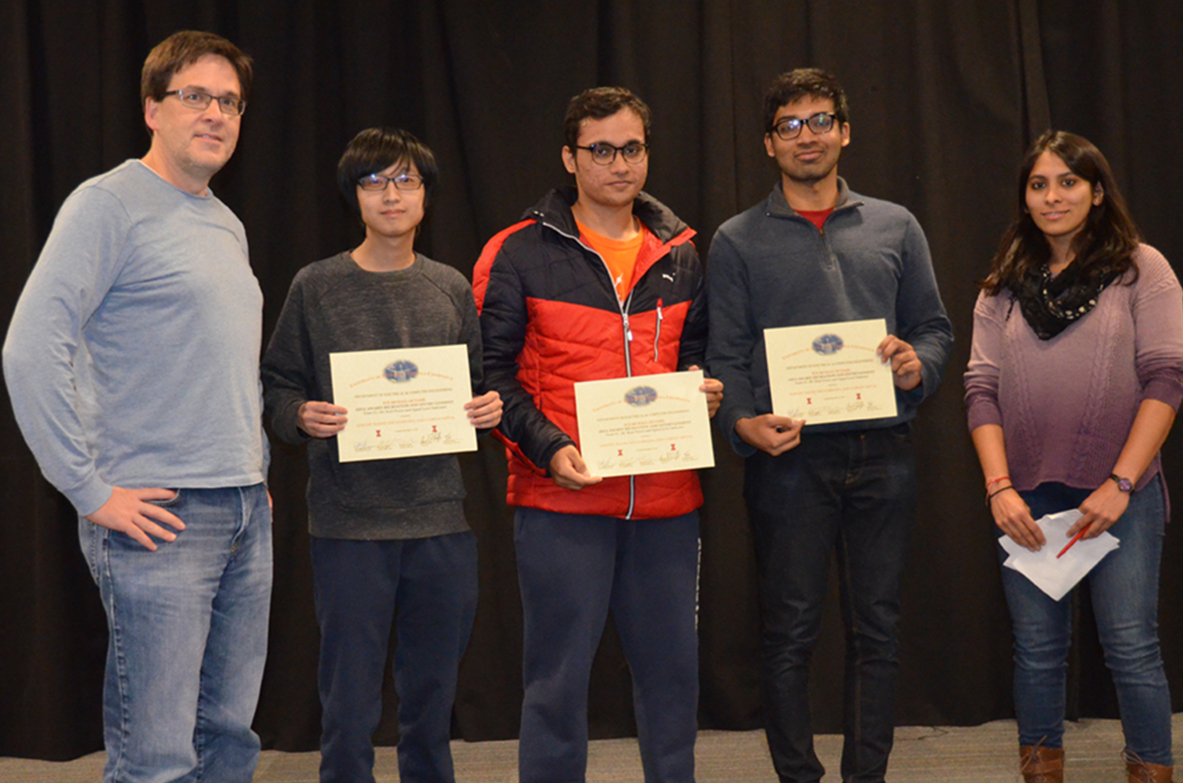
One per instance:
(1104, 246)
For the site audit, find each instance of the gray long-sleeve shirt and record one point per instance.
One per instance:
(132, 356)
(770, 267)
(335, 305)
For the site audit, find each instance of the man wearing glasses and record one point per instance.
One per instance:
(597, 281)
(389, 537)
(132, 365)
(814, 252)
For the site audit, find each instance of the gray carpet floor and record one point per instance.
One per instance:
(980, 754)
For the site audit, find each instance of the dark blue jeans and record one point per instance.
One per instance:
(360, 587)
(572, 568)
(1124, 589)
(853, 493)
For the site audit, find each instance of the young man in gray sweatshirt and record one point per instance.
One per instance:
(132, 365)
(814, 253)
(389, 537)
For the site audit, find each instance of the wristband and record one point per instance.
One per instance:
(998, 492)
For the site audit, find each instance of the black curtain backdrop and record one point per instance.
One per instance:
(944, 96)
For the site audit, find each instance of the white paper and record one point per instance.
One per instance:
(1056, 576)
(403, 402)
(827, 373)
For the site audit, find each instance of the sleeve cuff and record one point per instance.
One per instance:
(90, 496)
(981, 414)
(1164, 391)
(727, 424)
(550, 452)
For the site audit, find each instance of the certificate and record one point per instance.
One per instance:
(403, 402)
(644, 424)
(829, 372)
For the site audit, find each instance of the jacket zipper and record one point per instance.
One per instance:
(657, 335)
(831, 259)
(628, 335)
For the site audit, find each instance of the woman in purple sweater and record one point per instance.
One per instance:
(1074, 378)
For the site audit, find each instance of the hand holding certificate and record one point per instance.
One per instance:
(644, 424)
(829, 373)
(403, 402)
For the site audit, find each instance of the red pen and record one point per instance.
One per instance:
(1073, 541)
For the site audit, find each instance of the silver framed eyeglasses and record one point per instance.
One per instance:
(790, 127)
(200, 101)
(401, 182)
(605, 154)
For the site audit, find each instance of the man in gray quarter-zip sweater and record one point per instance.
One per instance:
(815, 253)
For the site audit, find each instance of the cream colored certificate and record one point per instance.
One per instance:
(403, 402)
(829, 372)
(644, 424)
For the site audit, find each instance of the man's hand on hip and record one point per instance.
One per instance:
(128, 511)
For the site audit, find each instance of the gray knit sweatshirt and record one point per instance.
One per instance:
(335, 305)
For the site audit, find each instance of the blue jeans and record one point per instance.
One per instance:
(188, 639)
(430, 585)
(1124, 589)
(853, 493)
(572, 568)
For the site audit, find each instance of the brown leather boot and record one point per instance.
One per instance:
(1042, 765)
(1141, 772)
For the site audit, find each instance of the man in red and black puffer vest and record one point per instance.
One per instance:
(600, 281)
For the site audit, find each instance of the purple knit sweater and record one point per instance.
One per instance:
(1066, 405)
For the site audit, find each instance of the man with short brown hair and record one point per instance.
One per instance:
(132, 365)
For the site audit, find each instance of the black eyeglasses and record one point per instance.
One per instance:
(401, 182)
(605, 154)
(200, 101)
(790, 127)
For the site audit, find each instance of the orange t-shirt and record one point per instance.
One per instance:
(619, 255)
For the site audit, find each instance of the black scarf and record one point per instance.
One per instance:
(1052, 304)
